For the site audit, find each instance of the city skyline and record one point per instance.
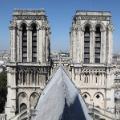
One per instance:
(60, 18)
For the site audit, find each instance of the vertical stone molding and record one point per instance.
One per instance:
(92, 46)
(74, 44)
(38, 45)
(29, 44)
(13, 42)
(110, 44)
(103, 55)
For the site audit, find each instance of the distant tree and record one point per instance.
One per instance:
(3, 90)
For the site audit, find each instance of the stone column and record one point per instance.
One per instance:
(26, 78)
(103, 79)
(73, 74)
(77, 46)
(11, 96)
(82, 79)
(74, 44)
(94, 82)
(37, 44)
(100, 77)
(103, 53)
(22, 78)
(13, 43)
(29, 44)
(44, 46)
(80, 46)
(110, 30)
(40, 39)
(27, 83)
(20, 45)
(37, 79)
(71, 45)
(92, 46)
(47, 45)
(90, 79)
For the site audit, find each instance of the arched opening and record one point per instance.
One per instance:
(87, 45)
(23, 107)
(22, 100)
(97, 44)
(33, 99)
(34, 42)
(24, 42)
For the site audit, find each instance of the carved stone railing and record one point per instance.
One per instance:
(2, 116)
(21, 116)
(101, 113)
(117, 113)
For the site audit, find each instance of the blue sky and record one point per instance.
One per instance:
(60, 13)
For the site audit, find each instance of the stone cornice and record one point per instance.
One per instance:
(92, 17)
(23, 69)
(15, 64)
(29, 11)
(30, 17)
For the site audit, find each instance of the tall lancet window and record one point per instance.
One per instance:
(87, 45)
(34, 43)
(24, 43)
(97, 44)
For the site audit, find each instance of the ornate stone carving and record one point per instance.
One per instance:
(29, 17)
(92, 17)
(41, 70)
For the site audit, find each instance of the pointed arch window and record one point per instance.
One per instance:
(23, 107)
(24, 43)
(97, 44)
(34, 43)
(87, 45)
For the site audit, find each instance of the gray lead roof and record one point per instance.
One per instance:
(61, 100)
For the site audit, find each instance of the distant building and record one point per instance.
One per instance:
(4, 56)
(116, 59)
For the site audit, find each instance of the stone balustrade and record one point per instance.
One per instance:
(2, 116)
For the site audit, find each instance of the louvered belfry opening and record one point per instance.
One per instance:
(87, 45)
(97, 44)
(24, 43)
(34, 42)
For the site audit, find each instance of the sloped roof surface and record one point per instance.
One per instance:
(61, 100)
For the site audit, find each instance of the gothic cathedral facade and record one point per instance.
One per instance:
(29, 67)
(90, 61)
(91, 54)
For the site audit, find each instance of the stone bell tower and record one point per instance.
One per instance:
(29, 66)
(91, 54)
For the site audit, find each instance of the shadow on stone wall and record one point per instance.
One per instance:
(73, 111)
